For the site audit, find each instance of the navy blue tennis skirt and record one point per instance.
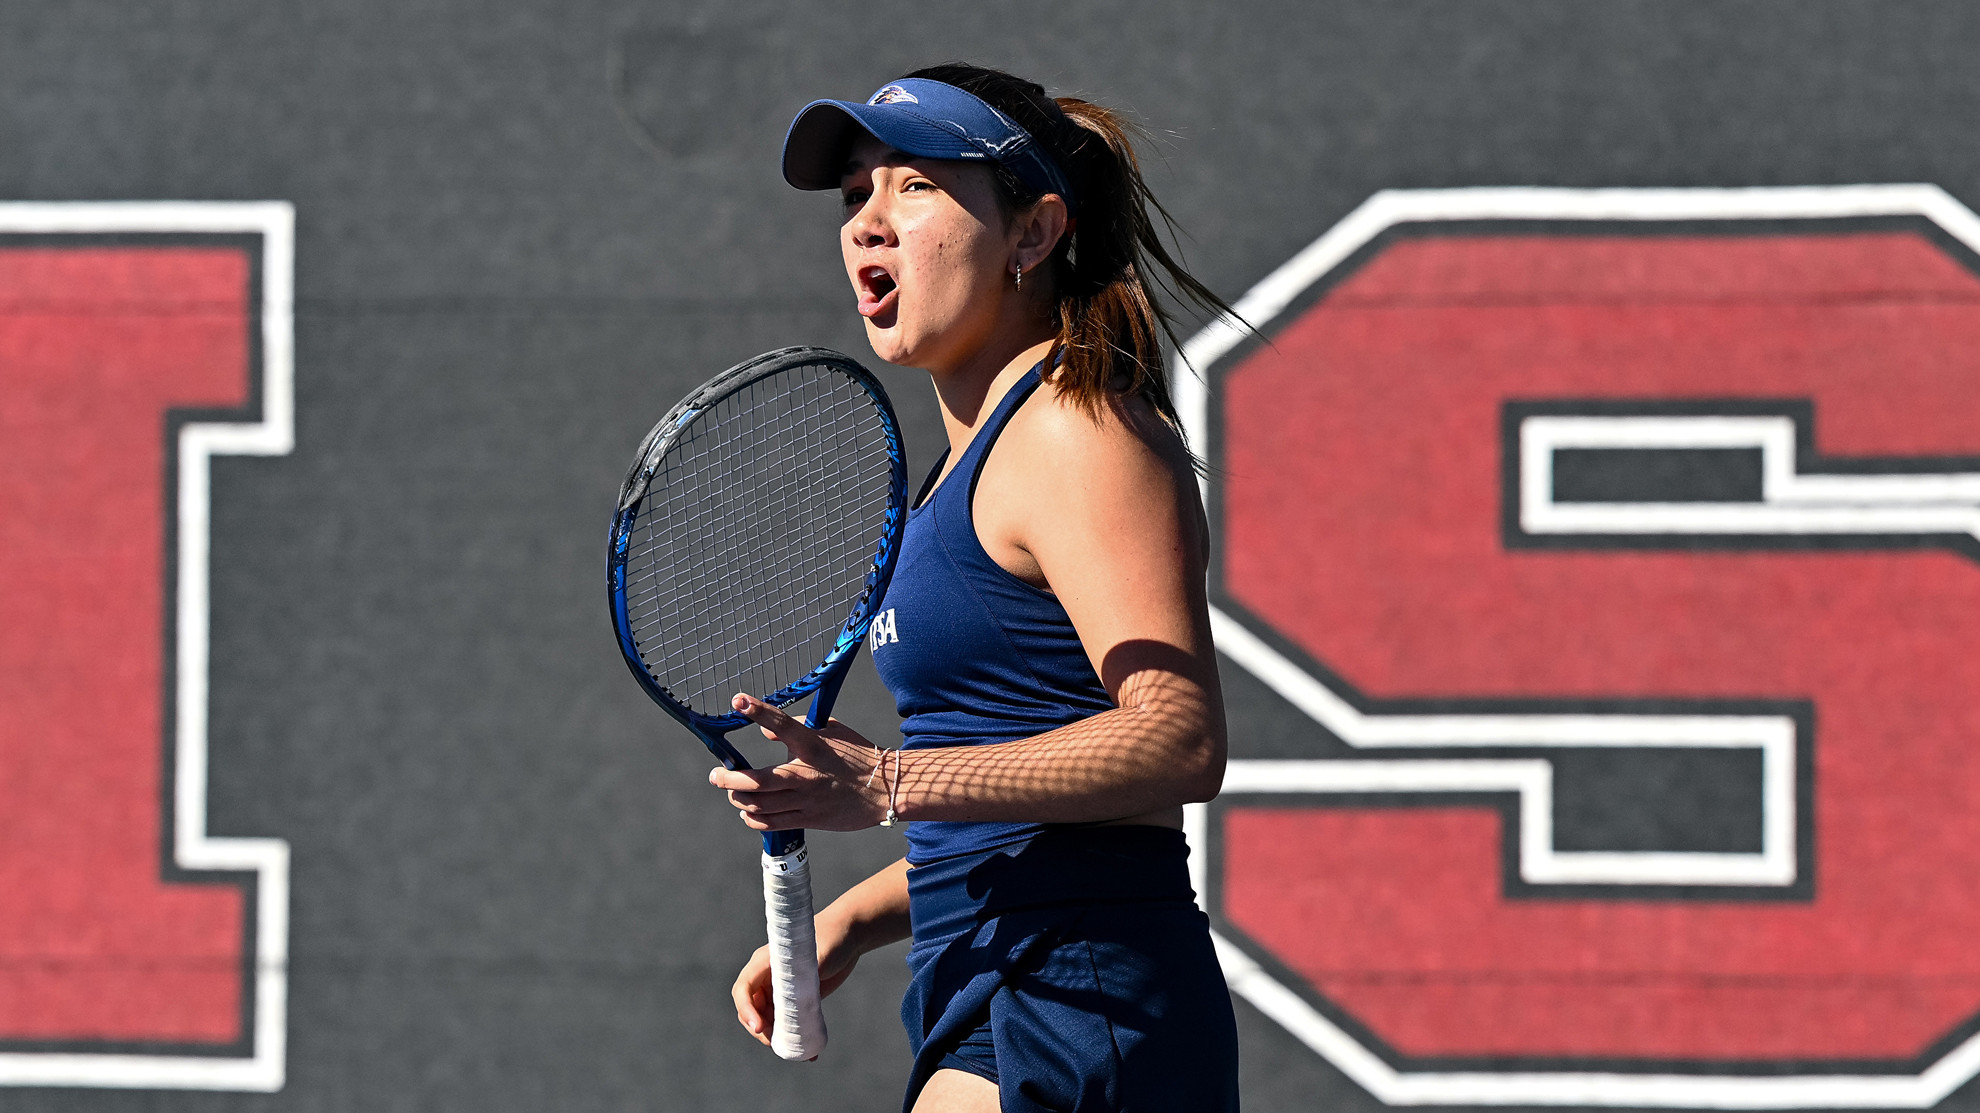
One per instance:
(1075, 971)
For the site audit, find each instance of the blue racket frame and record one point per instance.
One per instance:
(822, 683)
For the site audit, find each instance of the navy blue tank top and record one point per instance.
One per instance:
(973, 655)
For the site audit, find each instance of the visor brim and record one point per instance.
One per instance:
(815, 148)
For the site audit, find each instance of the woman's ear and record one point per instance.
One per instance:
(1039, 231)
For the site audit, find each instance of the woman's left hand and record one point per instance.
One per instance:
(828, 785)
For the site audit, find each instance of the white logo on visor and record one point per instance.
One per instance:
(893, 94)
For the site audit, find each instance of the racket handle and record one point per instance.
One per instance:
(799, 1027)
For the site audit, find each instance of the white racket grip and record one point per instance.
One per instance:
(799, 1031)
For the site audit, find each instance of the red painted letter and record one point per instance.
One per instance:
(97, 345)
(1363, 523)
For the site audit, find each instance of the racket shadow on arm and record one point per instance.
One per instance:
(1162, 745)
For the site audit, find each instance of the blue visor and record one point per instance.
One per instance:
(915, 116)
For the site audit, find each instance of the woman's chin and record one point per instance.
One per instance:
(884, 336)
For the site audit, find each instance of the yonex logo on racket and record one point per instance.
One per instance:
(882, 631)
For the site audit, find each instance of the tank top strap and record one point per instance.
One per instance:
(974, 655)
(970, 464)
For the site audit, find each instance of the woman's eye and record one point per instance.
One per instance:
(918, 184)
(855, 199)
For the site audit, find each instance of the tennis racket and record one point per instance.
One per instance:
(754, 536)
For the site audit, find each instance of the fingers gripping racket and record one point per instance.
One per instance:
(753, 538)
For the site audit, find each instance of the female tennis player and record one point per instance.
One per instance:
(1046, 634)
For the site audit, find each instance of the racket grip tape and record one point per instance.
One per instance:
(799, 1026)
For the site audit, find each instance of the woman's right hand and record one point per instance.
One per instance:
(871, 914)
(836, 959)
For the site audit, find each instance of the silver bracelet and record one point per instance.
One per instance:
(893, 782)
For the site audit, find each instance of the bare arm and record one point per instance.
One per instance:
(1104, 512)
(1140, 758)
(874, 912)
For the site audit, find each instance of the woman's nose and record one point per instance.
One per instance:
(868, 227)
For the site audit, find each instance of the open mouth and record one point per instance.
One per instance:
(877, 291)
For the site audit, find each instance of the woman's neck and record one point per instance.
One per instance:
(969, 392)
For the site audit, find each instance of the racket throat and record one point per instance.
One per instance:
(718, 744)
(828, 689)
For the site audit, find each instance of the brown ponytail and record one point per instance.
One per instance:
(1110, 327)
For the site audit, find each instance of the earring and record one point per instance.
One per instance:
(1020, 276)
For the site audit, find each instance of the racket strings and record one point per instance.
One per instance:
(788, 588)
(711, 576)
(840, 444)
(825, 437)
(758, 531)
(650, 601)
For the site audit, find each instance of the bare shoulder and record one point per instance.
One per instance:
(1102, 511)
(1065, 478)
(1122, 439)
